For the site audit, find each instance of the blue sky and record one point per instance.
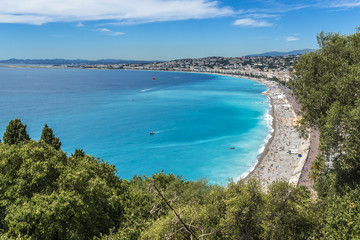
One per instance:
(167, 29)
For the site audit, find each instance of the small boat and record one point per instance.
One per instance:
(232, 148)
(152, 132)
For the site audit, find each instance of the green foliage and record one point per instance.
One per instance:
(343, 215)
(201, 212)
(324, 77)
(289, 213)
(48, 137)
(318, 167)
(146, 212)
(327, 83)
(78, 153)
(244, 211)
(15, 132)
(45, 195)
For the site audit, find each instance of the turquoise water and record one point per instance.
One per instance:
(110, 113)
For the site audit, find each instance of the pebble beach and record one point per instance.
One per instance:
(286, 152)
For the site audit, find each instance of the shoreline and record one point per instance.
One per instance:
(275, 163)
(262, 155)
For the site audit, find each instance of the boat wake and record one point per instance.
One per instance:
(147, 89)
(189, 143)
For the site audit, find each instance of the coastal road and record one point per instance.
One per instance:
(305, 179)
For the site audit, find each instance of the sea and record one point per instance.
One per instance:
(205, 126)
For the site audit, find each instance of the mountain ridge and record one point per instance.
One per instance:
(61, 61)
(279, 54)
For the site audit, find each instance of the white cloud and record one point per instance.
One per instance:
(274, 6)
(292, 39)
(80, 24)
(45, 11)
(249, 22)
(263, 15)
(345, 4)
(272, 11)
(117, 33)
(31, 19)
(106, 30)
(103, 30)
(255, 20)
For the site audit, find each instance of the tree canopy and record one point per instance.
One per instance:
(327, 84)
(15, 132)
(48, 136)
(45, 194)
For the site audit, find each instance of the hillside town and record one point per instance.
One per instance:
(275, 68)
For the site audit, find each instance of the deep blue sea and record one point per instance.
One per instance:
(196, 118)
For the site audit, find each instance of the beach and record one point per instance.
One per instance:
(286, 153)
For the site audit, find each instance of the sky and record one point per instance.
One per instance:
(167, 29)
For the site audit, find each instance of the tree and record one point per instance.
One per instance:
(78, 153)
(46, 195)
(15, 132)
(244, 211)
(289, 213)
(184, 209)
(327, 84)
(48, 137)
(342, 214)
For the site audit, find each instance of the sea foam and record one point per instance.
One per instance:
(268, 118)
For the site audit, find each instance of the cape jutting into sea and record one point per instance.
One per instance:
(205, 126)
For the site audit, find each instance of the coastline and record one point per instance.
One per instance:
(262, 155)
(273, 162)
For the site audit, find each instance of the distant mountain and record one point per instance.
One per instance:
(278, 54)
(72, 62)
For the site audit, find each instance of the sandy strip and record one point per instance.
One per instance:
(276, 162)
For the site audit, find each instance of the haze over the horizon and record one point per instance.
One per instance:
(166, 29)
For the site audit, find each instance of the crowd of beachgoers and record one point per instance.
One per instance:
(287, 156)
